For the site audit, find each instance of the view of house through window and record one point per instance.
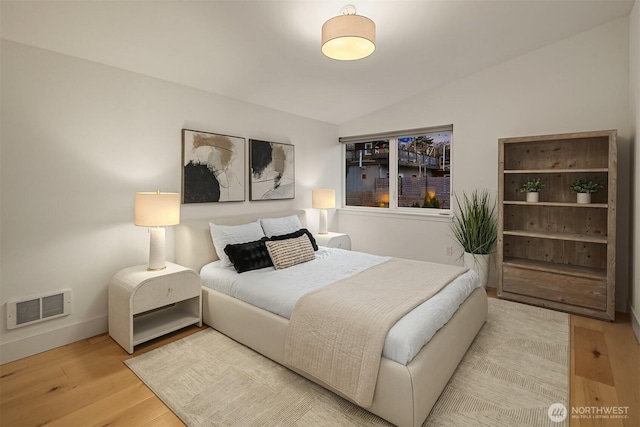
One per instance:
(400, 172)
(367, 179)
(424, 171)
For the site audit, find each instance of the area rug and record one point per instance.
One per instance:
(515, 369)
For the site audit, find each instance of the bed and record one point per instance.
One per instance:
(404, 394)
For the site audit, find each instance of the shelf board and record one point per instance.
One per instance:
(554, 267)
(588, 238)
(156, 323)
(581, 170)
(558, 204)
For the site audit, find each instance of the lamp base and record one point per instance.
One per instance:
(323, 222)
(156, 249)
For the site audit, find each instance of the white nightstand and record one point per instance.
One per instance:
(334, 240)
(144, 305)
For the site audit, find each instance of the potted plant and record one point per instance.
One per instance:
(584, 188)
(476, 229)
(532, 187)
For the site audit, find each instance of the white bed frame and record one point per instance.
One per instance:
(404, 395)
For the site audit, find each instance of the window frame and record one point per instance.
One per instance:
(393, 209)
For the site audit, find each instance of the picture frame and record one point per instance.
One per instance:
(213, 167)
(272, 170)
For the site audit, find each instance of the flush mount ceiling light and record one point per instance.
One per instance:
(348, 37)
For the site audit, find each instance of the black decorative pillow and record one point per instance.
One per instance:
(249, 256)
(295, 234)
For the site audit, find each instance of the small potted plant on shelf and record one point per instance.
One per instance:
(584, 188)
(532, 187)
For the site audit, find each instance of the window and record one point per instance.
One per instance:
(399, 170)
(367, 181)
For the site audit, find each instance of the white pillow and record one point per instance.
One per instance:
(280, 226)
(223, 235)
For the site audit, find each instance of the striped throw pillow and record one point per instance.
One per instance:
(287, 253)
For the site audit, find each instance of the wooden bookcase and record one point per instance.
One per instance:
(557, 253)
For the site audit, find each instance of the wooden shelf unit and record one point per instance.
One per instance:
(557, 253)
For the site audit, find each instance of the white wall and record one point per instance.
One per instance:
(578, 84)
(634, 101)
(78, 140)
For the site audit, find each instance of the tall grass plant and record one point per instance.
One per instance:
(474, 224)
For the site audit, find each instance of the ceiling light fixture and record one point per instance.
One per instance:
(348, 37)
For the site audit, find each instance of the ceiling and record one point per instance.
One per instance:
(268, 52)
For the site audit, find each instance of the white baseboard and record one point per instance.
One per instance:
(635, 322)
(29, 346)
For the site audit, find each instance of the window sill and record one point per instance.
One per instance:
(396, 214)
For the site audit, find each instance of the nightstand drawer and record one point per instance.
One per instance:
(165, 290)
(341, 242)
(334, 240)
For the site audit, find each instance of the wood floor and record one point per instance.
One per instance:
(605, 370)
(86, 383)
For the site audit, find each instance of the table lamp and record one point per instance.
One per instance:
(157, 210)
(323, 199)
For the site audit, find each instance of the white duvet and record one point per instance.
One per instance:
(278, 291)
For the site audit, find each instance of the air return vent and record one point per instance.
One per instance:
(27, 311)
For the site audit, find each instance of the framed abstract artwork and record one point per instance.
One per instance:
(272, 170)
(213, 167)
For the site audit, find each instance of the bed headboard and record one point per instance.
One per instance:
(194, 247)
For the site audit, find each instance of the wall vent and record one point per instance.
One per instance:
(27, 311)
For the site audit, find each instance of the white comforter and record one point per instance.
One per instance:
(278, 291)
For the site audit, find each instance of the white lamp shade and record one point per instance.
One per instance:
(157, 209)
(348, 37)
(323, 199)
